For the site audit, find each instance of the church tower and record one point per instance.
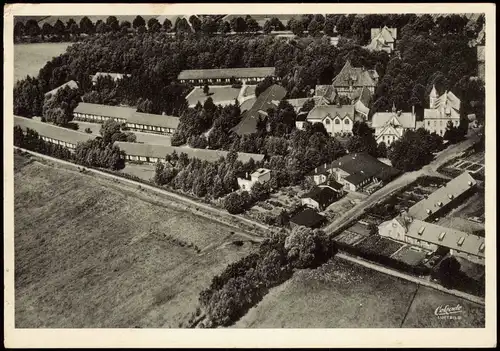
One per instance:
(433, 97)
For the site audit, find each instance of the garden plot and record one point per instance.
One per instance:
(410, 255)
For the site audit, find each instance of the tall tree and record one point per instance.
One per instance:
(138, 22)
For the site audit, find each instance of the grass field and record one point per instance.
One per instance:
(30, 58)
(219, 94)
(336, 295)
(344, 295)
(91, 254)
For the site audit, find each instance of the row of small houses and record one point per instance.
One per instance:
(134, 120)
(139, 152)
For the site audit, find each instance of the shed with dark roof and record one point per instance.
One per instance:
(308, 218)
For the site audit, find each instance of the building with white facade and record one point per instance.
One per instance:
(383, 39)
(390, 126)
(98, 113)
(442, 109)
(247, 181)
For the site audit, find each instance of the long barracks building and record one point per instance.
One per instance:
(53, 134)
(138, 121)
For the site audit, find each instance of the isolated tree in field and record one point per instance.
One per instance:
(167, 25)
(206, 89)
(138, 22)
(448, 271)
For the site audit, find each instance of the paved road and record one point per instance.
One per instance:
(405, 179)
(409, 277)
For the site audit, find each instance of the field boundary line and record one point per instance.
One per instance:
(397, 274)
(216, 212)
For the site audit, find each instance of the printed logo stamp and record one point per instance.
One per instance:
(449, 312)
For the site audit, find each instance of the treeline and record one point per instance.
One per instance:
(203, 179)
(244, 283)
(92, 153)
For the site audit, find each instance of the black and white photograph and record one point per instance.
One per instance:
(246, 168)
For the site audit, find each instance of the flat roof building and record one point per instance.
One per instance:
(152, 153)
(152, 123)
(224, 75)
(53, 134)
(100, 113)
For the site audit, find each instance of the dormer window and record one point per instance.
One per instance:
(450, 196)
(428, 211)
(439, 203)
(421, 230)
(470, 183)
(337, 121)
(346, 121)
(327, 121)
(461, 241)
(441, 236)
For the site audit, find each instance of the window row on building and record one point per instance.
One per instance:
(96, 118)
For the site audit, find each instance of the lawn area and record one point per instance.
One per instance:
(30, 58)
(220, 95)
(379, 245)
(409, 255)
(421, 313)
(341, 294)
(92, 254)
(338, 294)
(145, 171)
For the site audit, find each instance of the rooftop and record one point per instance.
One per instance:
(72, 84)
(160, 151)
(150, 119)
(361, 165)
(105, 110)
(52, 131)
(323, 111)
(308, 218)
(451, 238)
(403, 119)
(227, 73)
(115, 76)
(388, 34)
(250, 118)
(442, 196)
(322, 195)
(260, 172)
(355, 76)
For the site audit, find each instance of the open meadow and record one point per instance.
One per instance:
(30, 58)
(90, 254)
(341, 294)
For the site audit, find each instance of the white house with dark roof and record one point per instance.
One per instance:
(337, 119)
(442, 109)
(247, 181)
(390, 126)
